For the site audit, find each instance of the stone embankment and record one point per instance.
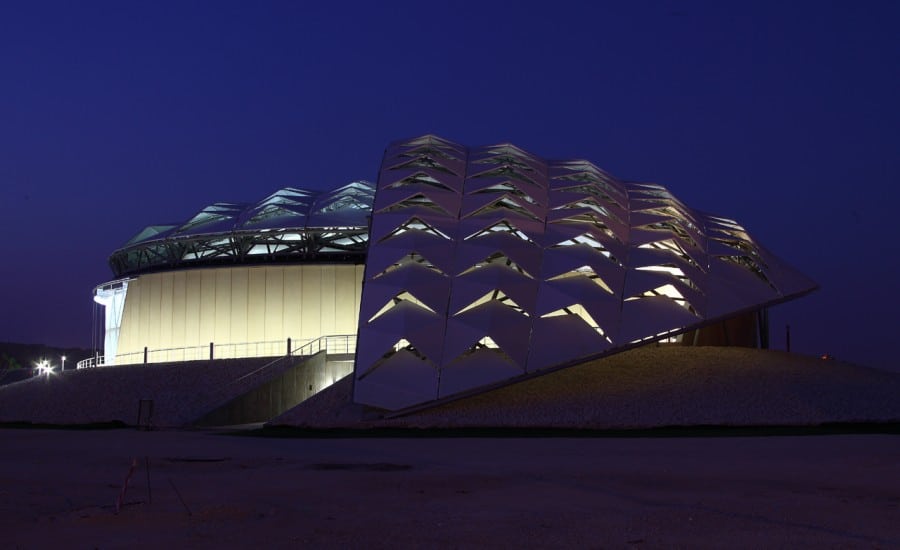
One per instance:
(181, 392)
(645, 388)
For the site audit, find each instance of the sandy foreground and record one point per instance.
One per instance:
(207, 490)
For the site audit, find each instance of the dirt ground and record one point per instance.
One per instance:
(59, 488)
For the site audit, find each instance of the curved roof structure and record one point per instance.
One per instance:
(289, 224)
(490, 264)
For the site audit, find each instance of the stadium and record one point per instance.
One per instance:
(462, 269)
(238, 280)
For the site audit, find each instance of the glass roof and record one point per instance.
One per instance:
(287, 208)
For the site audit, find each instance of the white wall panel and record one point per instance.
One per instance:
(238, 305)
(274, 317)
(207, 306)
(179, 308)
(193, 281)
(240, 284)
(256, 305)
(223, 306)
(167, 286)
(310, 317)
(293, 281)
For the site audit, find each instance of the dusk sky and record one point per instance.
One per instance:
(784, 116)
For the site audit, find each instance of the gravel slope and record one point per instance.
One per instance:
(181, 392)
(649, 387)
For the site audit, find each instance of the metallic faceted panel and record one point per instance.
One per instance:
(487, 264)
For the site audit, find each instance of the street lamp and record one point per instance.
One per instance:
(62, 366)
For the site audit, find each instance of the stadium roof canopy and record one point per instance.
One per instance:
(289, 225)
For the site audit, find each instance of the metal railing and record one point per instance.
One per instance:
(90, 362)
(335, 344)
(342, 343)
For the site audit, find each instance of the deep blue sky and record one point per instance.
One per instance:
(783, 115)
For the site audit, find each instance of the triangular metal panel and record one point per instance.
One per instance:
(785, 277)
(430, 290)
(482, 367)
(744, 286)
(563, 259)
(528, 258)
(447, 201)
(642, 257)
(387, 223)
(561, 339)
(479, 231)
(478, 205)
(466, 290)
(421, 330)
(647, 317)
(389, 179)
(527, 255)
(496, 321)
(501, 323)
(637, 282)
(396, 383)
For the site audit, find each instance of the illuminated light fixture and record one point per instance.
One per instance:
(44, 368)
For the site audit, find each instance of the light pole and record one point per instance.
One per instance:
(62, 365)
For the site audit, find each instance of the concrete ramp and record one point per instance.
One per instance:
(281, 393)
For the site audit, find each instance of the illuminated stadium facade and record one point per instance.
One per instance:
(461, 269)
(242, 277)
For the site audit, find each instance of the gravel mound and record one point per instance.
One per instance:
(645, 388)
(181, 392)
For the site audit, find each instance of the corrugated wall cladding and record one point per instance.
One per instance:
(490, 263)
(177, 309)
